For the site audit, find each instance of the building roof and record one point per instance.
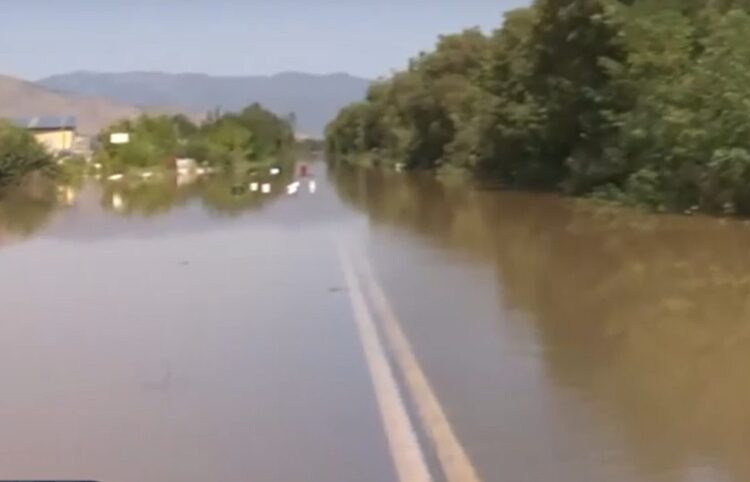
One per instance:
(47, 122)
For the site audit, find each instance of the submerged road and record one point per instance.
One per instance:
(244, 351)
(374, 328)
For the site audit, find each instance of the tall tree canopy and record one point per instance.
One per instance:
(645, 101)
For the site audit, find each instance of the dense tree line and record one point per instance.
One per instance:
(644, 101)
(222, 140)
(20, 154)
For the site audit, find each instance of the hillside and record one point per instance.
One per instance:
(19, 98)
(315, 99)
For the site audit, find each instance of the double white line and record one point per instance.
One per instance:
(408, 456)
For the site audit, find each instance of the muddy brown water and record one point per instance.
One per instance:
(159, 332)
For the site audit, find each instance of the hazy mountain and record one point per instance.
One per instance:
(19, 98)
(315, 99)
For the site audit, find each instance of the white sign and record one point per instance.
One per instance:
(119, 138)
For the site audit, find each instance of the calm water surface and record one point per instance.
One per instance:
(167, 332)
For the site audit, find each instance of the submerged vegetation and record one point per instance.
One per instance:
(642, 101)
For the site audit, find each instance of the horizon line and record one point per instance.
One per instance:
(194, 73)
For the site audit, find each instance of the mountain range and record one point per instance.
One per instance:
(19, 98)
(313, 99)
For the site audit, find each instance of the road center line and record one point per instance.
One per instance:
(402, 440)
(457, 466)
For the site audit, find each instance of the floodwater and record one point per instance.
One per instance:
(165, 332)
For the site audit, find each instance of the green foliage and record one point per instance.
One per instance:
(645, 101)
(227, 141)
(20, 154)
(271, 133)
(222, 140)
(690, 124)
(153, 140)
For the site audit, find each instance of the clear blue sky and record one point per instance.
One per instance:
(240, 37)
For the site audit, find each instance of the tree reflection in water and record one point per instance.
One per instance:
(647, 315)
(27, 208)
(221, 194)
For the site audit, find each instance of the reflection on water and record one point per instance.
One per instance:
(151, 333)
(29, 207)
(647, 317)
(220, 194)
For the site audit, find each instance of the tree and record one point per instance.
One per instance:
(252, 135)
(643, 101)
(20, 154)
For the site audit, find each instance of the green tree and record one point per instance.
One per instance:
(643, 101)
(20, 154)
(252, 135)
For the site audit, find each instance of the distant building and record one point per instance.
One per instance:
(57, 134)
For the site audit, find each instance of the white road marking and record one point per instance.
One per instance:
(457, 466)
(402, 440)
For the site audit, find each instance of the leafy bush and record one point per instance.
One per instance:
(20, 154)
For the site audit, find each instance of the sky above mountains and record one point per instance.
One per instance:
(230, 37)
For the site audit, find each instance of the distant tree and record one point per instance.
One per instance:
(184, 126)
(291, 120)
(251, 135)
(20, 154)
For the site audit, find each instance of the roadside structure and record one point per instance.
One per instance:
(57, 133)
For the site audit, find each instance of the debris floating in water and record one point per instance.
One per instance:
(265, 188)
(254, 186)
(115, 177)
(117, 202)
(292, 188)
(275, 171)
(312, 186)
